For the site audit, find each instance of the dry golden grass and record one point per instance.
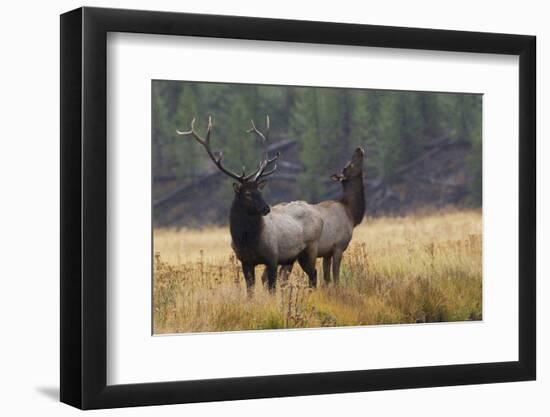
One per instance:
(416, 269)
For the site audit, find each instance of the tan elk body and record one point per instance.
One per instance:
(261, 235)
(341, 216)
(280, 237)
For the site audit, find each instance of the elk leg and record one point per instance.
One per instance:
(264, 277)
(307, 262)
(250, 277)
(326, 269)
(265, 274)
(336, 259)
(285, 270)
(271, 277)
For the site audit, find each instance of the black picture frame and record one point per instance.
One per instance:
(84, 207)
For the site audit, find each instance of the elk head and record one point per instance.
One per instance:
(353, 169)
(247, 187)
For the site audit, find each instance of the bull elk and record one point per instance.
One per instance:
(264, 235)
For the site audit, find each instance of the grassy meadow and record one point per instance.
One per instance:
(416, 269)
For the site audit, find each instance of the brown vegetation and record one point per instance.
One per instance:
(415, 269)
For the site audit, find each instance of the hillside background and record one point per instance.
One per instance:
(423, 149)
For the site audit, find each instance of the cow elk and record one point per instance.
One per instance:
(264, 235)
(341, 216)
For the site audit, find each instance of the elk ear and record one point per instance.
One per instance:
(337, 177)
(236, 187)
(261, 184)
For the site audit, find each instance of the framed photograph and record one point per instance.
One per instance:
(256, 208)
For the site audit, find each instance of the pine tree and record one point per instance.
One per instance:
(392, 126)
(365, 131)
(159, 127)
(401, 130)
(304, 127)
(183, 152)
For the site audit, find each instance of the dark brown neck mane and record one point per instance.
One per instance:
(245, 228)
(354, 198)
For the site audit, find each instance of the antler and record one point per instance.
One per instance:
(206, 145)
(260, 134)
(261, 172)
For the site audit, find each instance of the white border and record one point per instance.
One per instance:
(135, 356)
